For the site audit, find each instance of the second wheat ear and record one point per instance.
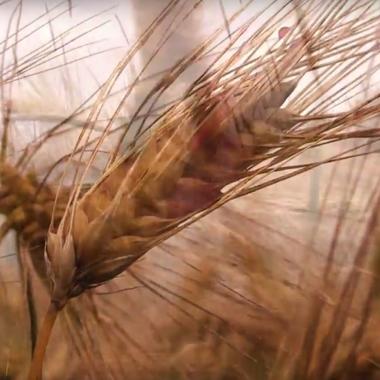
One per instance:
(180, 171)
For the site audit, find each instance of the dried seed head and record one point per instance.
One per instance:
(181, 170)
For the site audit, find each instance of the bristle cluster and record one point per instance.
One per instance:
(180, 171)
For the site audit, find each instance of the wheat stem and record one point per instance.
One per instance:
(35, 371)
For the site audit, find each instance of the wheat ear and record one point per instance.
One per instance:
(136, 203)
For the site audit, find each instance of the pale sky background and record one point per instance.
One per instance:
(134, 16)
